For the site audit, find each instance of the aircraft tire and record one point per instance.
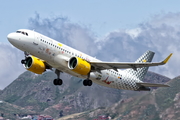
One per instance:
(85, 82)
(89, 82)
(55, 81)
(60, 82)
(23, 61)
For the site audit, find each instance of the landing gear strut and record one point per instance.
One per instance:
(87, 82)
(26, 54)
(57, 81)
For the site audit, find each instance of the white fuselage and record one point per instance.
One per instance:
(57, 55)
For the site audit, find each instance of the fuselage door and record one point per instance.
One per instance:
(36, 39)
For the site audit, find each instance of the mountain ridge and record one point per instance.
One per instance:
(10, 111)
(37, 93)
(159, 104)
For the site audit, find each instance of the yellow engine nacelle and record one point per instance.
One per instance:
(34, 64)
(79, 65)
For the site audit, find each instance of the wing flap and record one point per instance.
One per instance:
(152, 85)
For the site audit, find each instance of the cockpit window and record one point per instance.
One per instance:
(18, 31)
(22, 32)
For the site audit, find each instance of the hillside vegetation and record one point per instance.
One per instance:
(160, 104)
(10, 111)
(37, 93)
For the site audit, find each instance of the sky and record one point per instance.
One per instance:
(119, 30)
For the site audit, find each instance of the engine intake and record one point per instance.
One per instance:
(34, 64)
(79, 65)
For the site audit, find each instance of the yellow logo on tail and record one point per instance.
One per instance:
(144, 61)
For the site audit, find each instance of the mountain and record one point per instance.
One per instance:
(37, 93)
(152, 77)
(10, 111)
(160, 104)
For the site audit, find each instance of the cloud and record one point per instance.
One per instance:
(10, 62)
(161, 35)
(61, 29)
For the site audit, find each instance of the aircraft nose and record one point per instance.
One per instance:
(11, 37)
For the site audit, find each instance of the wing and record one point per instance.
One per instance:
(124, 65)
(152, 85)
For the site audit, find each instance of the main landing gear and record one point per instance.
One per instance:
(57, 81)
(87, 82)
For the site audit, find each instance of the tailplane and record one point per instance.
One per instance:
(152, 85)
(140, 72)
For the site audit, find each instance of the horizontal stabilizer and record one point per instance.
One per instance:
(152, 85)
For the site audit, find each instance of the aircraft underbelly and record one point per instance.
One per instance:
(106, 79)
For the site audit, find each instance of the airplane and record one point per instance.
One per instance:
(42, 53)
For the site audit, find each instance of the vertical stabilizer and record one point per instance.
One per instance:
(140, 72)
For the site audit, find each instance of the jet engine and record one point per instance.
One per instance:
(34, 64)
(79, 65)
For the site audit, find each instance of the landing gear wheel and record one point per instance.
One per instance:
(23, 61)
(57, 82)
(60, 82)
(87, 82)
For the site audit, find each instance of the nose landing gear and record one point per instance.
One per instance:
(26, 54)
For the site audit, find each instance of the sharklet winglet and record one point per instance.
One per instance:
(167, 59)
